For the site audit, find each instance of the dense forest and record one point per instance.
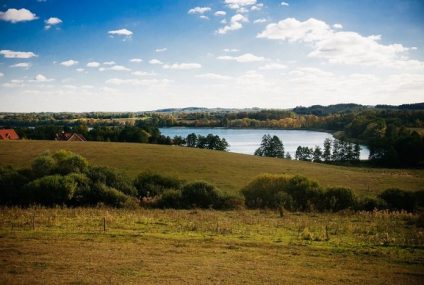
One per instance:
(394, 134)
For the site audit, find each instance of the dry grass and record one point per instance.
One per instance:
(229, 171)
(69, 246)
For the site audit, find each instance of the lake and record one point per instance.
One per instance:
(248, 140)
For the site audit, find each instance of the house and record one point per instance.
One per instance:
(70, 137)
(8, 134)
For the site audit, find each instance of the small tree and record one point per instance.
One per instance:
(317, 154)
(327, 150)
(191, 140)
(270, 147)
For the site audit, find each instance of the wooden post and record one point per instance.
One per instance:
(33, 221)
(281, 210)
(327, 236)
(104, 224)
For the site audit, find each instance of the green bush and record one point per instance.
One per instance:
(11, 183)
(337, 199)
(306, 194)
(51, 190)
(397, 199)
(370, 204)
(170, 198)
(265, 191)
(43, 165)
(83, 194)
(150, 184)
(200, 194)
(68, 162)
(110, 196)
(112, 179)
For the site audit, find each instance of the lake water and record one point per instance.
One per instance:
(248, 140)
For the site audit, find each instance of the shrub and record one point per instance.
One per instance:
(43, 165)
(112, 179)
(229, 202)
(265, 191)
(306, 194)
(68, 162)
(170, 198)
(11, 183)
(51, 190)
(419, 198)
(83, 194)
(199, 194)
(337, 199)
(110, 196)
(149, 184)
(397, 199)
(370, 204)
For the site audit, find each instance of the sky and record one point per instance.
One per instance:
(126, 55)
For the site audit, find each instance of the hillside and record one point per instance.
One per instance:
(229, 171)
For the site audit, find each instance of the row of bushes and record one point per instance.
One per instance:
(65, 178)
(297, 193)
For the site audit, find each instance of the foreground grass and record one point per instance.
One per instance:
(229, 171)
(204, 246)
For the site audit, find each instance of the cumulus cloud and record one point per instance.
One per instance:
(238, 4)
(42, 78)
(247, 57)
(220, 13)
(285, 4)
(136, 82)
(115, 68)
(214, 76)
(257, 7)
(68, 63)
(15, 15)
(273, 66)
(161, 49)
(80, 69)
(25, 65)
(183, 66)
(339, 46)
(17, 54)
(109, 62)
(143, 73)
(51, 22)
(260, 20)
(121, 32)
(231, 50)
(199, 10)
(338, 26)
(235, 24)
(93, 64)
(155, 61)
(1, 74)
(136, 60)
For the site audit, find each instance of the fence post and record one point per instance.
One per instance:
(33, 220)
(104, 224)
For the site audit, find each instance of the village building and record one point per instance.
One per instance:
(63, 136)
(8, 134)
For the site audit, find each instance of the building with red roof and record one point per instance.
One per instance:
(70, 137)
(8, 134)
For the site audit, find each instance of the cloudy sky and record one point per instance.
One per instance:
(92, 55)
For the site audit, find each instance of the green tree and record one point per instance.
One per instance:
(317, 154)
(270, 147)
(327, 150)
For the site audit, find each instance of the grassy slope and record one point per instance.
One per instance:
(229, 171)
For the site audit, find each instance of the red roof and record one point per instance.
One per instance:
(70, 137)
(8, 134)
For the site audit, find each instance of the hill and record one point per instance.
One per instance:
(229, 171)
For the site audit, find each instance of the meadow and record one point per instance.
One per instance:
(228, 171)
(72, 246)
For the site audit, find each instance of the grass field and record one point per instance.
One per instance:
(229, 171)
(70, 246)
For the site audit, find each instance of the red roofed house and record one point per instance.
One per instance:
(70, 137)
(8, 134)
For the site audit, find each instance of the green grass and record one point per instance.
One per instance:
(142, 246)
(229, 171)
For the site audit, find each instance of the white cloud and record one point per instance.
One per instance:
(136, 82)
(17, 54)
(93, 64)
(51, 22)
(231, 50)
(136, 60)
(220, 13)
(121, 32)
(199, 10)
(161, 49)
(260, 20)
(285, 4)
(235, 24)
(14, 83)
(1, 74)
(109, 62)
(41, 78)
(273, 66)
(238, 4)
(257, 7)
(214, 76)
(80, 69)
(339, 46)
(115, 68)
(68, 63)
(247, 57)
(204, 17)
(15, 16)
(22, 65)
(338, 26)
(143, 73)
(155, 61)
(183, 66)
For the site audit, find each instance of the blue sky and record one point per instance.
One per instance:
(143, 55)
